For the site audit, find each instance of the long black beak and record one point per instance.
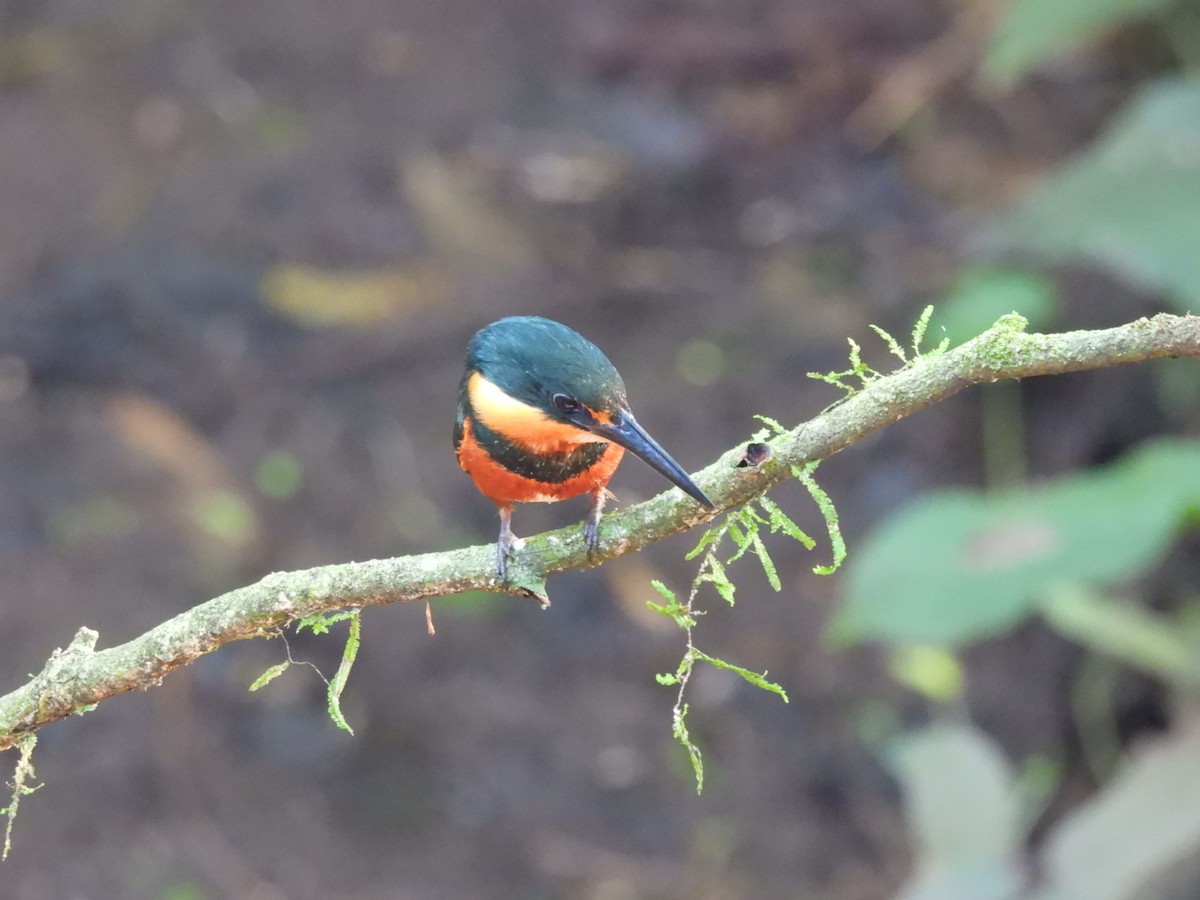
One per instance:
(630, 435)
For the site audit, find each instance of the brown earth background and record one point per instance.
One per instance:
(242, 248)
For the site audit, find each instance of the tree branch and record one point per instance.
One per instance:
(76, 678)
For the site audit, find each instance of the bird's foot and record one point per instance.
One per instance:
(591, 536)
(591, 526)
(508, 545)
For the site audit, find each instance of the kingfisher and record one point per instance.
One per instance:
(542, 416)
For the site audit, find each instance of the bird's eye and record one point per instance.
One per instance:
(565, 404)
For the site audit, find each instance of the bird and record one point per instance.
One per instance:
(542, 417)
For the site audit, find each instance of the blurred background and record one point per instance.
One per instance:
(242, 249)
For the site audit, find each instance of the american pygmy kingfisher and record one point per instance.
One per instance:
(542, 416)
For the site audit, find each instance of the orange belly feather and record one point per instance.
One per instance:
(505, 487)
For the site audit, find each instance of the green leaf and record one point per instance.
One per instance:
(1128, 203)
(751, 516)
(338, 683)
(667, 593)
(893, 345)
(710, 538)
(982, 295)
(772, 424)
(759, 681)
(857, 366)
(1034, 30)
(918, 332)
(958, 565)
(858, 369)
(964, 809)
(321, 622)
(741, 537)
(666, 678)
(835, 379)
(768, 564)
(804, 474)
(780, 521)
(682, 616)
(270, 675)
(720, 581)
(680, 732)
(1141, 823)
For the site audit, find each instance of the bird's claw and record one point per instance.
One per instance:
(501, 562)
(505, 549)
(591, 525)
(591, 537)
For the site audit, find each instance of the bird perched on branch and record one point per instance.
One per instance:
(542, 416)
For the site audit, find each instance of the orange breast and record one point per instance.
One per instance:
(505, 487)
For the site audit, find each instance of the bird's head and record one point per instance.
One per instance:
(539, 383)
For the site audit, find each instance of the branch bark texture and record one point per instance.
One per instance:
(79, 676)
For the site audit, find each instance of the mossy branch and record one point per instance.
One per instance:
(80, 676)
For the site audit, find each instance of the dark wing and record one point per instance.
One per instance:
(464, 410)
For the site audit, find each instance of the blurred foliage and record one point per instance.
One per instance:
(205, 496)
(928, 669)
(1137, 826)
(92, 31)
(99, 518)
(1032, 30)
(1130, 202)
(970, 815)
(979, 296)
(279, 475)
(460, 221)
(183, 891)
(965, 811)
(225, 515)
(166, 440)
(318, 298)
(31, 55)
(1177, 386)
(701, 362)
(960, 565)
(1125, 631)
